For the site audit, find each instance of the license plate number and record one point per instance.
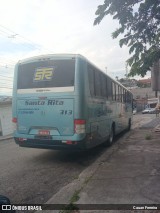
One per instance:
(44, 132)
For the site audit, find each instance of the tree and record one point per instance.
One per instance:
(139, 22)
(117, 78)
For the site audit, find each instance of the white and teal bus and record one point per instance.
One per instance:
(62, 101)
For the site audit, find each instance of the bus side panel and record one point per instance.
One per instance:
(100, 122)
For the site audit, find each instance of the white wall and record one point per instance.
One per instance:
(6, 119)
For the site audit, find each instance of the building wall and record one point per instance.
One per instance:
(143, 93)
(6, 119)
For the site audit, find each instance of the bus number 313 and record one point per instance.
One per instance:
(66, 112)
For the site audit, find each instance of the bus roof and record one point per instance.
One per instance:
(50, 57)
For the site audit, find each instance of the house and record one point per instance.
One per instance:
(6, 117)
(144, 82)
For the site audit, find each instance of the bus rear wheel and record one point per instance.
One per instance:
(110, 139)
(129, 125)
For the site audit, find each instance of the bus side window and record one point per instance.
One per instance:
(98, 84)
(109, 88)
(129, 98)
(125, 96)
(114, 91)
(120, 94)
(91, 80)
(104, 90)
(117, 92)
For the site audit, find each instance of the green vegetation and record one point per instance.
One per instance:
(148, 137)
(139, 22)
(71, 207)
(75, 196)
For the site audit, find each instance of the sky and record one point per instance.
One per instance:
(34, 27)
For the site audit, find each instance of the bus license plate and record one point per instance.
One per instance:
(44, 132)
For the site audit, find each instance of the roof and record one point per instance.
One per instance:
(145, 81)
(50, 57)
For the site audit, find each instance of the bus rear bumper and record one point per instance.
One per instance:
(51, 144)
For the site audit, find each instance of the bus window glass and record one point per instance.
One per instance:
(97, 84)
(114, 91)
(91, 80)
(123, 99)
(109, 88)
(129, 98)
(45, 74)
(104, 86)
(118, 93)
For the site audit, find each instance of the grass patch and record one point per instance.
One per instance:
(75, 196)
(71, 207)
(148, 137)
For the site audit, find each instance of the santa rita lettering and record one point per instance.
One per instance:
(48, 102)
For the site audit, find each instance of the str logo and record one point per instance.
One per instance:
(43, 74)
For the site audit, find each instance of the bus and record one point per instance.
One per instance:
(63, 101)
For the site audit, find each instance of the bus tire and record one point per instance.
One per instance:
(129, 125)
(110, 139)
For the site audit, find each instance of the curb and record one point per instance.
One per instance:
(3, 138)
(65, 194)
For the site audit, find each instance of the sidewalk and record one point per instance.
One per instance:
(6, 137)
(126, 173)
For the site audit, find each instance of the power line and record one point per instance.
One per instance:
(37, 46)
(8, 73)
(6, 81)
(12, 61)
(10, 86)
(6, 76)
(6, 66)
(9, 77)
(6, 88)
(11, 34)
(3, 81)
(7, 62)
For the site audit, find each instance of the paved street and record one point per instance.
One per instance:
(35, 175)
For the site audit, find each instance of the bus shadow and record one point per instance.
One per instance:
(84, 158)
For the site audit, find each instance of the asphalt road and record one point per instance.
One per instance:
(34, 175)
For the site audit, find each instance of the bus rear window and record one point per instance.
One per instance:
(45, 74)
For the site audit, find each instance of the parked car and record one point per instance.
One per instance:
(149, 111)
(153, 111)
(134, 111)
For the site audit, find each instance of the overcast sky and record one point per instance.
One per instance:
(56, 26)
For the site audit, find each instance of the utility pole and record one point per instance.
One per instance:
(155, 77)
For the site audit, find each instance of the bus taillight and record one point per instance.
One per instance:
(79, 126)
(14, 121)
